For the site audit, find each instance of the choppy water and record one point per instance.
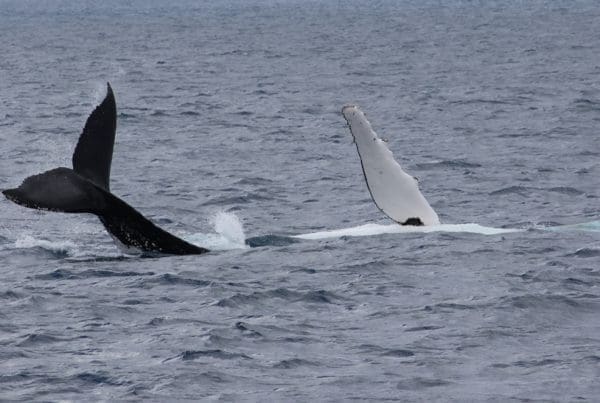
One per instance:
(230, 132)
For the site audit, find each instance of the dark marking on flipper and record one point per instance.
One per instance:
(416, 221)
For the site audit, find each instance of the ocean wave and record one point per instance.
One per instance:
(419, 383)
(567, 190)
(41, 338)
(552, 302)
(64, 274)
(239, 299)
(294, 363)
(58, 249)
(98, 378)
(190, 355)
(456, 164)
(247, 330)
(519, 190)
(10, 295)
(586, 252)
(173, 279)
(385, 352)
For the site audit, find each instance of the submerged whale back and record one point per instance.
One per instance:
(395, 192)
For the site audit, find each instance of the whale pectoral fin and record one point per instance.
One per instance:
(92, 157)
(59, 189)
(394, 192)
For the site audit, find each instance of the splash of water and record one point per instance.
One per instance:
(230, 227)
(229, 234)
(62, 247)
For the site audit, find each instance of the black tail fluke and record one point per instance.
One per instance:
(65, 191)
(73, 191)
(93, 154)
(59, 189)
(134, 231)
(85, 189)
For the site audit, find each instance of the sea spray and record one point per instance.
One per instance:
(229, 226)
(229, 233)
(60, 247)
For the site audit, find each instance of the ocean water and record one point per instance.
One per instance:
(230, 134)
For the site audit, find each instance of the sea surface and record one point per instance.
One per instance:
(230, 135)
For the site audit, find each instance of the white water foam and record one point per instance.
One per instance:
(377, 229)
(591, 226)
(63, 247)
(229, 234)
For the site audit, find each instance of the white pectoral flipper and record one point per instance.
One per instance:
(395, 192)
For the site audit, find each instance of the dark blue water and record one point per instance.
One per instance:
(229, 117)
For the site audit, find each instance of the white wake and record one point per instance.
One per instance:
(377, 229)
(229, 234)
(590, 226)
(61, 247)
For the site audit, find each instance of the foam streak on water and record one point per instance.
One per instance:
(28, 241)
(376, 229)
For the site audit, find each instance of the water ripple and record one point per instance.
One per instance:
(239, 299)
(586, 253)
(419, 383)
(173, 279)
(190, 355)
(294, 363)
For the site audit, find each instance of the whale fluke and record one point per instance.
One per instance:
(60, 190)
(92, 157)
(85, 189)
(394, 192)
